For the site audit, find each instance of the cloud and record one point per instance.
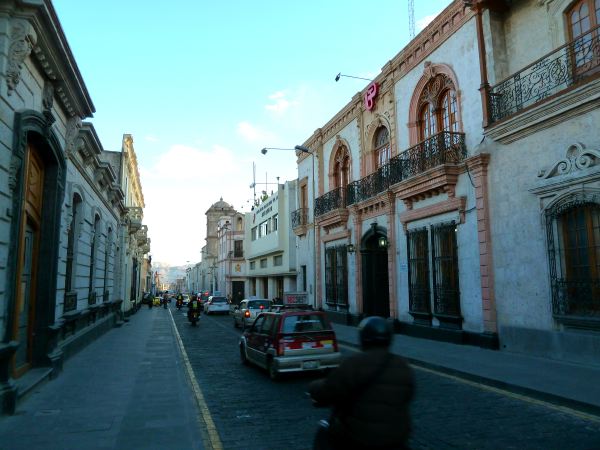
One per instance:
(280, 103)
(252, 133)
(422, 23)
(150, 138)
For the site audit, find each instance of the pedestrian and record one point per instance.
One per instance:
(369, 394)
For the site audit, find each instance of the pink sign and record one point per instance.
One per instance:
(370, 96)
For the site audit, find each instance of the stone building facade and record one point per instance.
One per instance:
(460, 187)
(64, 206)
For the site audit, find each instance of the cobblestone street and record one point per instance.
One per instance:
(252, 412)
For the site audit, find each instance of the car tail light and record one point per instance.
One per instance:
(247, 314)
(262, 307)
(279, 345)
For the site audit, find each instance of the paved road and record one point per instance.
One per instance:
(251, 412)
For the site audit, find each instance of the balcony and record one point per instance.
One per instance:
(555, 72)
(443, 148)
(334, 199)
(299, 217)
(135, 215)
(142, 235)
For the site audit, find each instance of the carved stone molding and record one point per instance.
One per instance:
(22, 40)
(440, 180)
(577, 159)
(452, 204)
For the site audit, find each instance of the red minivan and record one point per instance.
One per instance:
(290, 340)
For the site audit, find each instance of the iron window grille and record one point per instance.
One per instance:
(446, 292)
(336, 277)
(299, 217)
(573, 238)
(418, 275)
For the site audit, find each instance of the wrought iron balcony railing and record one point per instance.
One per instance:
(442, 148)
(299, 217)
(333, 199)
(547, 76)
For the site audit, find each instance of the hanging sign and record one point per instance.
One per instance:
(370, 95)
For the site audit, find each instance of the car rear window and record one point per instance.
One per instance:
(219, 300)
(304, 322)
(256, 304)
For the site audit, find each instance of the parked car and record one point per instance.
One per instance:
(216, 304)
(248, 309)
(186, 299)
(291, 340)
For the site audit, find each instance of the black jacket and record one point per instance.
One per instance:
(370, 394)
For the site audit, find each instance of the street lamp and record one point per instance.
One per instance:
(303, 149)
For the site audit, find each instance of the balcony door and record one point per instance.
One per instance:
(28, 248)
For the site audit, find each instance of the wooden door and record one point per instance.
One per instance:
(26, 273)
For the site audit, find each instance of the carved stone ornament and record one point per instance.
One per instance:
(578, 158)
(22, 40)
(47, 103)
(15, 167)
(72, 135)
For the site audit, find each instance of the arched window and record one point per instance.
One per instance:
(341, 169)
(92, 277)
(73, 234)
(383, 148)
(438, 107)
(107, 256)
(583, 17)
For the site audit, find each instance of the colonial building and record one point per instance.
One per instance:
(61, 226)
(459, 189)
(270, 244)
(231, 270)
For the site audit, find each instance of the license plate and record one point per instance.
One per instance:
(310, 364)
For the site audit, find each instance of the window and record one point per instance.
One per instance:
(252, 265)
(304, 323)
(254, 233)
(583, 17)
(341, 168)
(418, 272)
(70, 302)
(267, 327)
(107, 255)
(442, 257)
(573, 232)
(263, 229)
(446, 294)
(303, 269)
(263, 263)
(274, 223)
(278, 260)
(382, 147)
(238, 249)
(437, 107)
(336, 276)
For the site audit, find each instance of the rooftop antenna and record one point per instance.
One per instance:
(411, 18)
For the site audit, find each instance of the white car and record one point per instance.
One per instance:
(245, 313)
(216, 304)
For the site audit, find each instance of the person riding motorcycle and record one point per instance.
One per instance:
(179, 301)
(369, 393)
(193, 306)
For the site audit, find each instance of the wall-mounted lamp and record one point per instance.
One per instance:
(350, 248)
(340, 75)
(382, 242)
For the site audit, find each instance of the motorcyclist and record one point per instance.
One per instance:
(369, 394)
(165, 299)
(193, 305)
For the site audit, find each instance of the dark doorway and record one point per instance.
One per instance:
(237, 288)
(376, 297)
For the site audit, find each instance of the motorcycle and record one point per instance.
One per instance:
(193, 317)
(179, 304)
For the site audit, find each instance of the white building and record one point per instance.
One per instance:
(270, 248)
(64, 210)
(458, 193)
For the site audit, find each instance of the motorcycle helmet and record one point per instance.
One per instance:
(375, 331)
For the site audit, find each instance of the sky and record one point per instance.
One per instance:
(203, 85)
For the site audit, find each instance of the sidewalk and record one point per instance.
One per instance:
(561, 383)
(117, 393)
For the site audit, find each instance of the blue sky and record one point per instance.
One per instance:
(202, 86)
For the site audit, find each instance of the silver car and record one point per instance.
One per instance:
(246, 312)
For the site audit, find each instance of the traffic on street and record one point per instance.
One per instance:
(250, 411)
